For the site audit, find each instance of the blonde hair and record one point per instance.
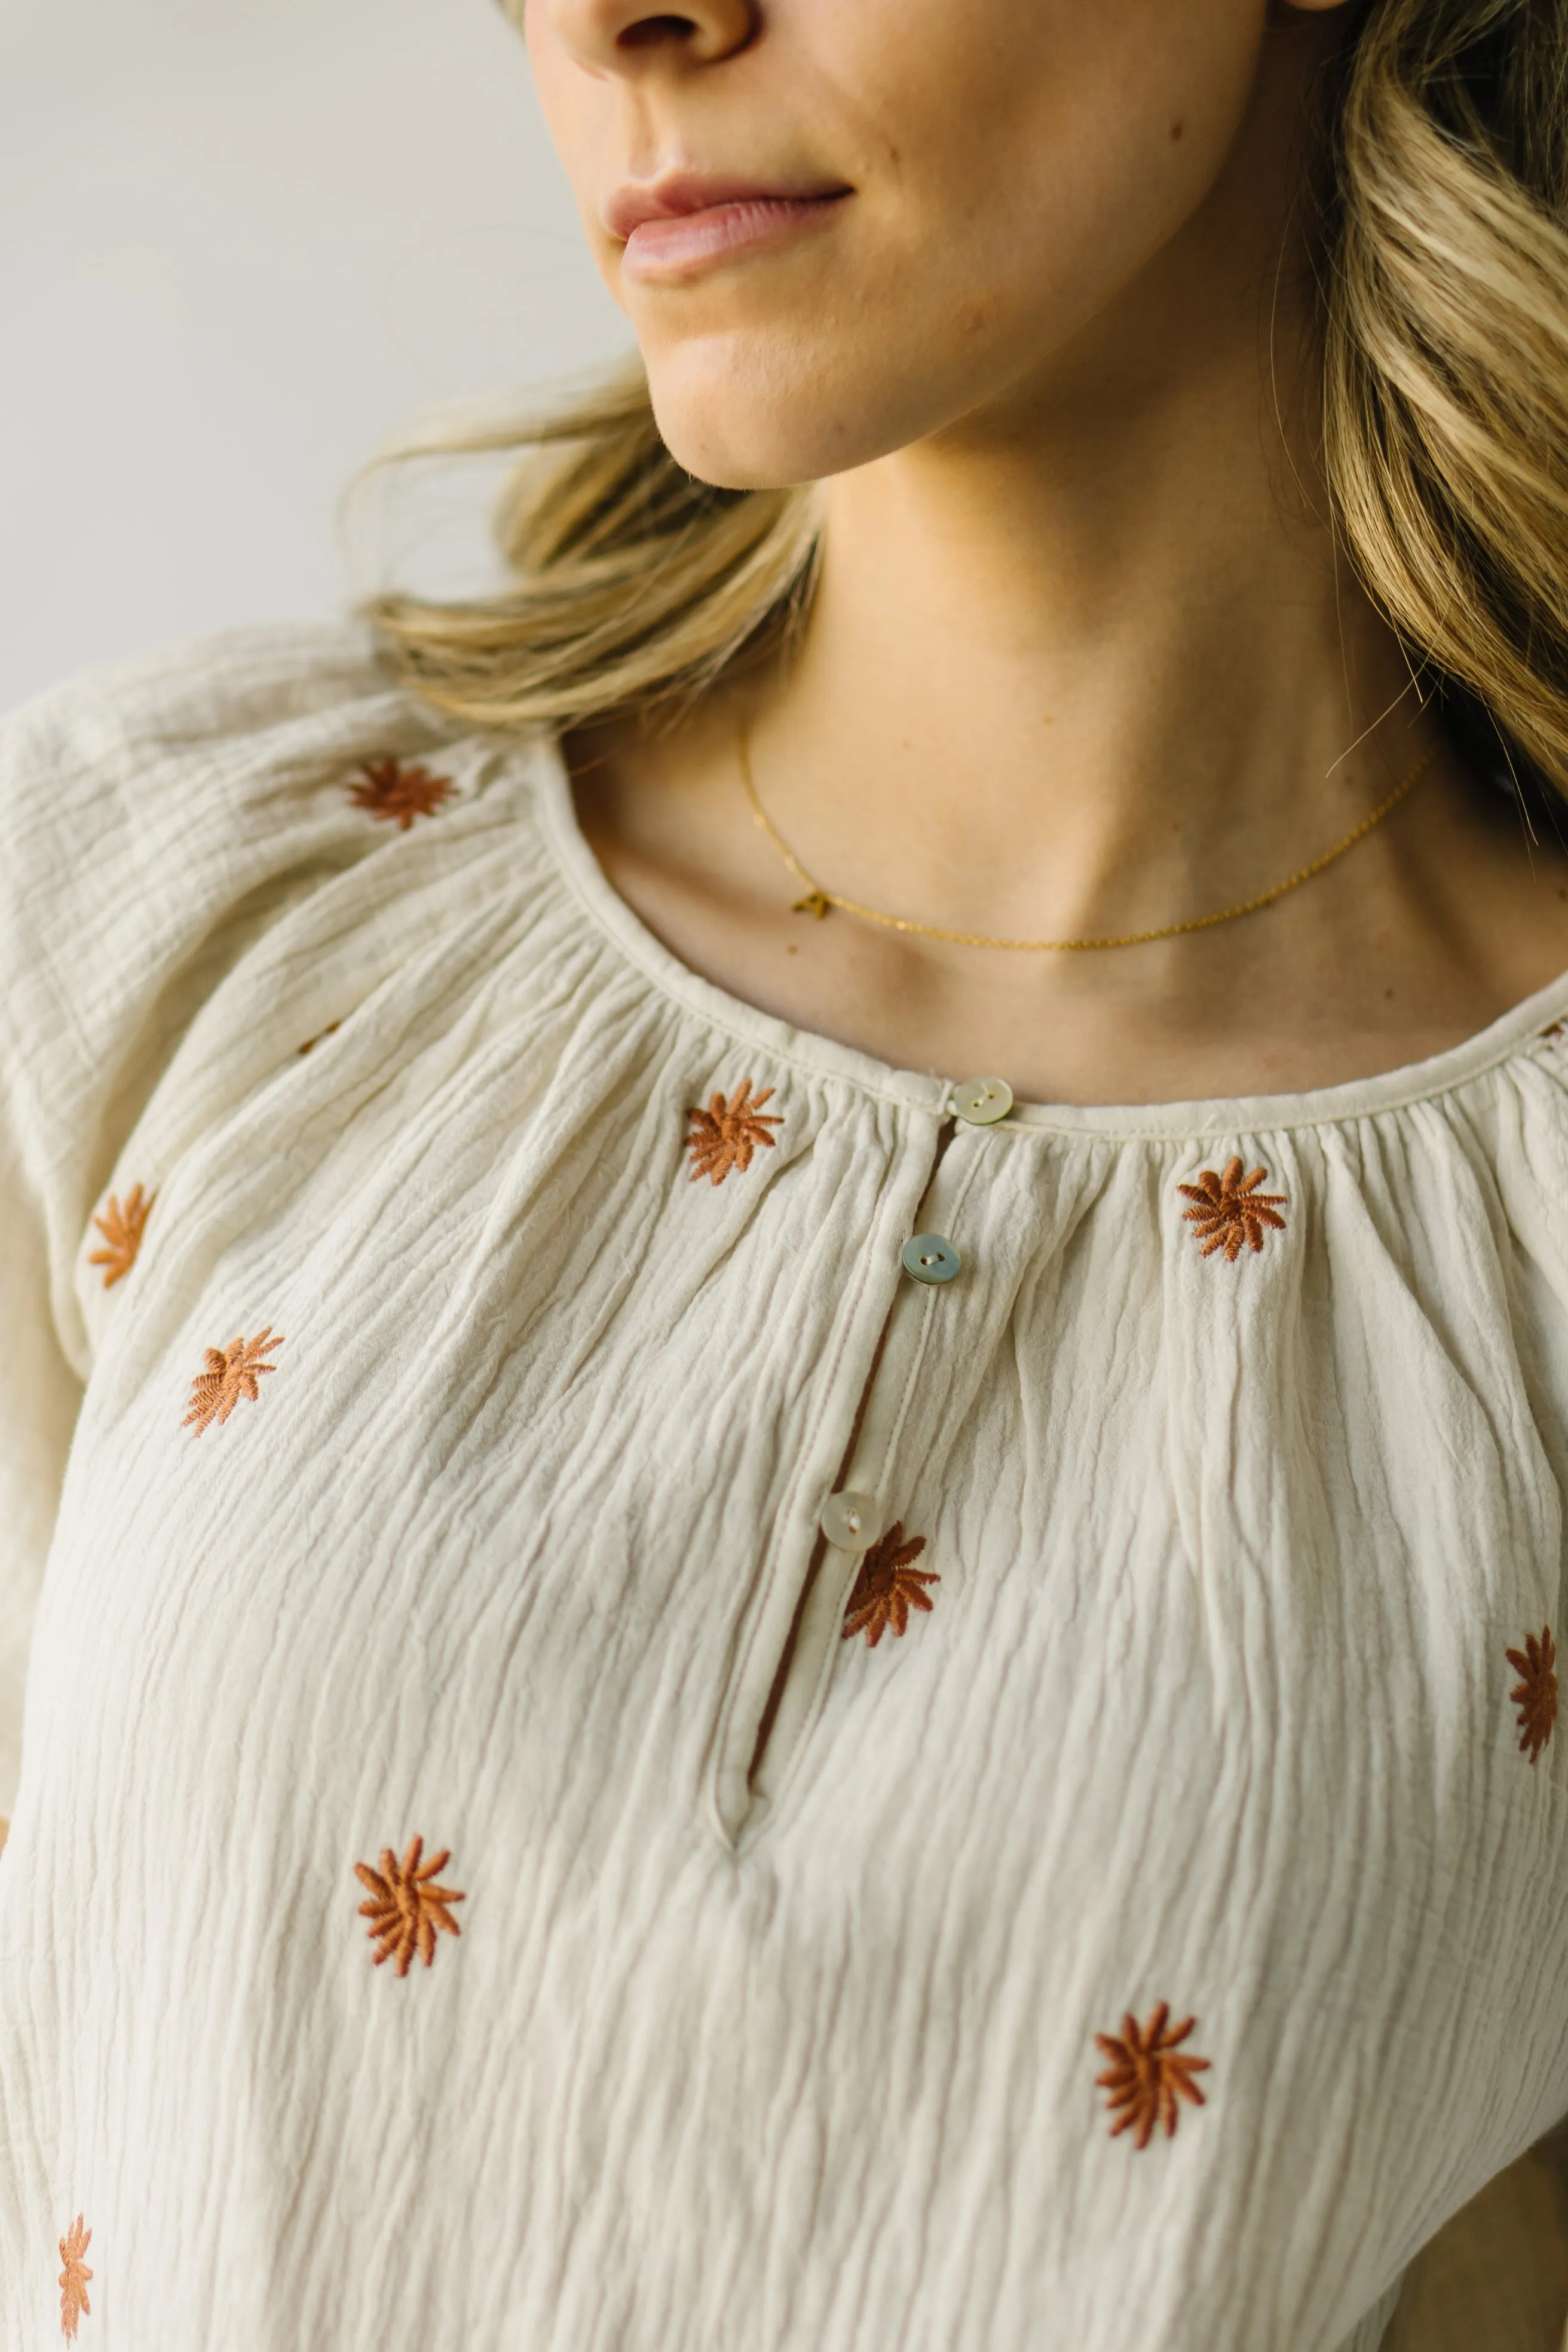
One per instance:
(635, 585)
(1443, 269)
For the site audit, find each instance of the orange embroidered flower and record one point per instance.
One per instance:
(232, 1373)
(122, 1226)
(74, 2304)
(1149, 2074)
(397, 794)
(1535, 1693)
(888, 1587)
(405, 1910)
(1229, 1211)
(726, 1134)
(330, 1031)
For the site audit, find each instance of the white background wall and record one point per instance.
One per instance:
(241, 242)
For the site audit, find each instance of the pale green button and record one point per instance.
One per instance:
(850, 1521)
(929, 1258)
(983, 1101)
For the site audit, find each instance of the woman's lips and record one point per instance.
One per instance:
(657, 249)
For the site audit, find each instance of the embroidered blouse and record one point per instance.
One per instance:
(683, 1693)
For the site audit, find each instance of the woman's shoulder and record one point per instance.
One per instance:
(159, 818)
(230, 677)
(145, 805)
(107, 767)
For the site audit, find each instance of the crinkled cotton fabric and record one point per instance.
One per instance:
(415, 1426)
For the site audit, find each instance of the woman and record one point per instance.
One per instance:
(814, 1284)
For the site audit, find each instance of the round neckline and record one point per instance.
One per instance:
(821, 1056)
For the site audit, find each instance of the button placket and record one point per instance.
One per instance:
(922, 1311)
(915, 1321)
(791, 1543)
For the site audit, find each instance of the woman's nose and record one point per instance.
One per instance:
(627, 36)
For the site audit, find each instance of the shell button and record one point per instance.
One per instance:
(983, 1101)
(929, 1257)
(850, 1520)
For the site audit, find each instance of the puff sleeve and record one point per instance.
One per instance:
(153, 819)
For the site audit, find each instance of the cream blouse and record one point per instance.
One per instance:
(507, 1856)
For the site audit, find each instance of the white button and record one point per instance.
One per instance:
(849, 1521)
(929, 1258)
(983, 1101)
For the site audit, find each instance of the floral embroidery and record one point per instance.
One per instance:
(74, 2305)
(726, 1134)
(1535, 1693)
(888, 1587)
(1149, 2074)
(232, 1373)
(330, 1031)
(122, 1226)
(397, 794)
(1553, 1030)
(405, 1910)
(1229, 1211)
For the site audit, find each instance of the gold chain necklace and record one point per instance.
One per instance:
(817, 900)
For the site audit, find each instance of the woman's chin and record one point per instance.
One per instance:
(743, 435)
(758, 408)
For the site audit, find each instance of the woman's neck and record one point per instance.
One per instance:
(1088, 665)
(1129, 691)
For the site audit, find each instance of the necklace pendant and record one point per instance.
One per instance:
(816, 902)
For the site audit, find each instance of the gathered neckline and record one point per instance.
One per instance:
(1402, 1088)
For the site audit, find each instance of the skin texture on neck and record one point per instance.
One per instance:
(1084, 657)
